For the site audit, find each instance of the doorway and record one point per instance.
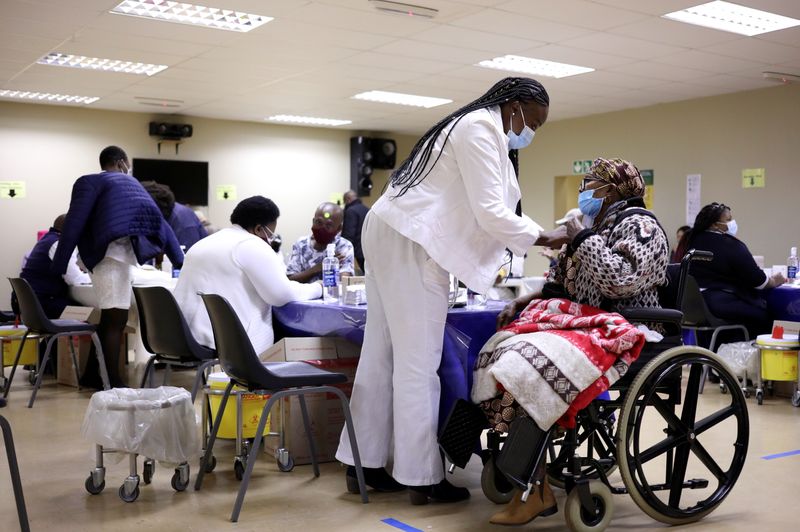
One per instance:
(566, 193)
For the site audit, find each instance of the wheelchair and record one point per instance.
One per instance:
(665, 445)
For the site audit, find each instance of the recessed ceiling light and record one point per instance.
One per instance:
(538, 67)
(401, 99)
(47, 97)
(401, 8)
(181, 13)
(734, 18)
(97, 63)
(309, 120)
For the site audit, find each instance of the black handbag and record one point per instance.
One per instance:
(459, 437)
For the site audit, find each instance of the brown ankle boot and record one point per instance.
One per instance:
(541, 502)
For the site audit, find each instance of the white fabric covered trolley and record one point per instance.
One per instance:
(158, 423)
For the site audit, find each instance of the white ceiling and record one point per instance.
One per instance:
(316, 54)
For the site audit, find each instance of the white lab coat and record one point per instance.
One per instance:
(458, 220)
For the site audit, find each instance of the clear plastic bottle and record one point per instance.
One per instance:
(791, 264)
(166, 265)
(330, 275)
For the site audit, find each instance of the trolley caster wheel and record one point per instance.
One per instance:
(796, 399)
(760, 397)
(746, 394)
(722, 388)
(92, 488)
(238, 469)
(285, 461)
(580, 519)
(177, 485)
(494, 485)
(148, 470)
(212, 463)
(32, 377)
(128, 497)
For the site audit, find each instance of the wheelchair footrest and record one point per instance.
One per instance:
(522, 452)
(460, 435)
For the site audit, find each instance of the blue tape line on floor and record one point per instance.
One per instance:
(398, 524)
(780, 455)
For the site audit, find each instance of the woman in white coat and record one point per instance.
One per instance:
(449, 208)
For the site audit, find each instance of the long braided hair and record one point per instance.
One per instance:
(707, 217)
(415, 168)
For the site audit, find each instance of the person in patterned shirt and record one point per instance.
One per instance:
(305, 264)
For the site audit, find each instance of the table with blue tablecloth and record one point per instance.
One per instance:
(466, 330)
(784, 302)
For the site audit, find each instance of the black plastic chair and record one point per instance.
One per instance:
(276, 379)
(697, 317)
(34, 318)
(13, 469)
(165, 332)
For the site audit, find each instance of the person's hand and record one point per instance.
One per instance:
(317, 268)
(547, 253)
(777, 279)
(508, 313)
(553, 239)
(573, 226)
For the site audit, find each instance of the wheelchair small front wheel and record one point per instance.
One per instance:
(581, 519)
(494, 485)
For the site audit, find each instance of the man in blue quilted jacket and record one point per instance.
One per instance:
(116, 225)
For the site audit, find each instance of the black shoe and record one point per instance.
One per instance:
(441, 492)
(376, 478)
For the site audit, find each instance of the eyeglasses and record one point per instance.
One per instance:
(588, 181)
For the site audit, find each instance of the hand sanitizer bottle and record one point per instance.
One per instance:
(791, 264)
(330, 275)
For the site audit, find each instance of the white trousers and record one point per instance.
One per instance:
(395, 399)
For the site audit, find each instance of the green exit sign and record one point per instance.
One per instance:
(581, 167)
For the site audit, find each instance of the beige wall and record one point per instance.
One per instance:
(48, 147)
(716, 137)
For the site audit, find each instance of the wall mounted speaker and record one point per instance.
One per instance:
(165, 130)
(366, 155)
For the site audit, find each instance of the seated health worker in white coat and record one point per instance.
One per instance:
(239, 264)
(450, 208)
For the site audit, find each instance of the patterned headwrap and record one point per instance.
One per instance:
(622, 175)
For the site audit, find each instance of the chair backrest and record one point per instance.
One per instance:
(30, 310)
(693, 305)
(234, 349)
(163, 328)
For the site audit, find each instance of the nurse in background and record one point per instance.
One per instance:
(449, 208)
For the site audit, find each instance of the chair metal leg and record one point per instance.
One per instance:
(200, 376)
(348, 419)
(75, 364)
(307, 425)
(251, 458)
(148, 368)
(166, 374)
(13, 468)
(16, 362)
(47, 350)
(101, 361)
(212, 437)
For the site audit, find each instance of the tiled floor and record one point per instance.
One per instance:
(55, 461)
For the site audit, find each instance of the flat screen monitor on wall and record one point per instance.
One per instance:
(187, 179)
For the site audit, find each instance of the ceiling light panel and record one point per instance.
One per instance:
(195, 15)
(733, 18)
(537, 67)
(309, 120)
(97, 63)
(401, 99)
(47, 97)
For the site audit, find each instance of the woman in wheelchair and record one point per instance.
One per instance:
(617, 260)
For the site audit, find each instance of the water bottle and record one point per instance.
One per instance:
(166, 265)
(330, 275)
(791, 264)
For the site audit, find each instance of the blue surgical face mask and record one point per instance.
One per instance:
(732, 228)
(588, 204)
(517, 142)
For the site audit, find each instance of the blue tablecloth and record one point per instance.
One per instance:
(784, 303)
(466, 330)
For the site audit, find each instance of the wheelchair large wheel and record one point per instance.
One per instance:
(660, 448)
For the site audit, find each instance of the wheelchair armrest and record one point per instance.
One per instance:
(666, 316)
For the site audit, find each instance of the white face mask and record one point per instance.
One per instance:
(517, 142)
(732, 227)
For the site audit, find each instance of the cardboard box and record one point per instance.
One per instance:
(324, 409)
(82, 344)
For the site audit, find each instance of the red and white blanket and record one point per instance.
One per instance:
(556, 358)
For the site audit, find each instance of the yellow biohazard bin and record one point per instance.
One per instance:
(778, 357)
(10, 347)
(252, 405)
